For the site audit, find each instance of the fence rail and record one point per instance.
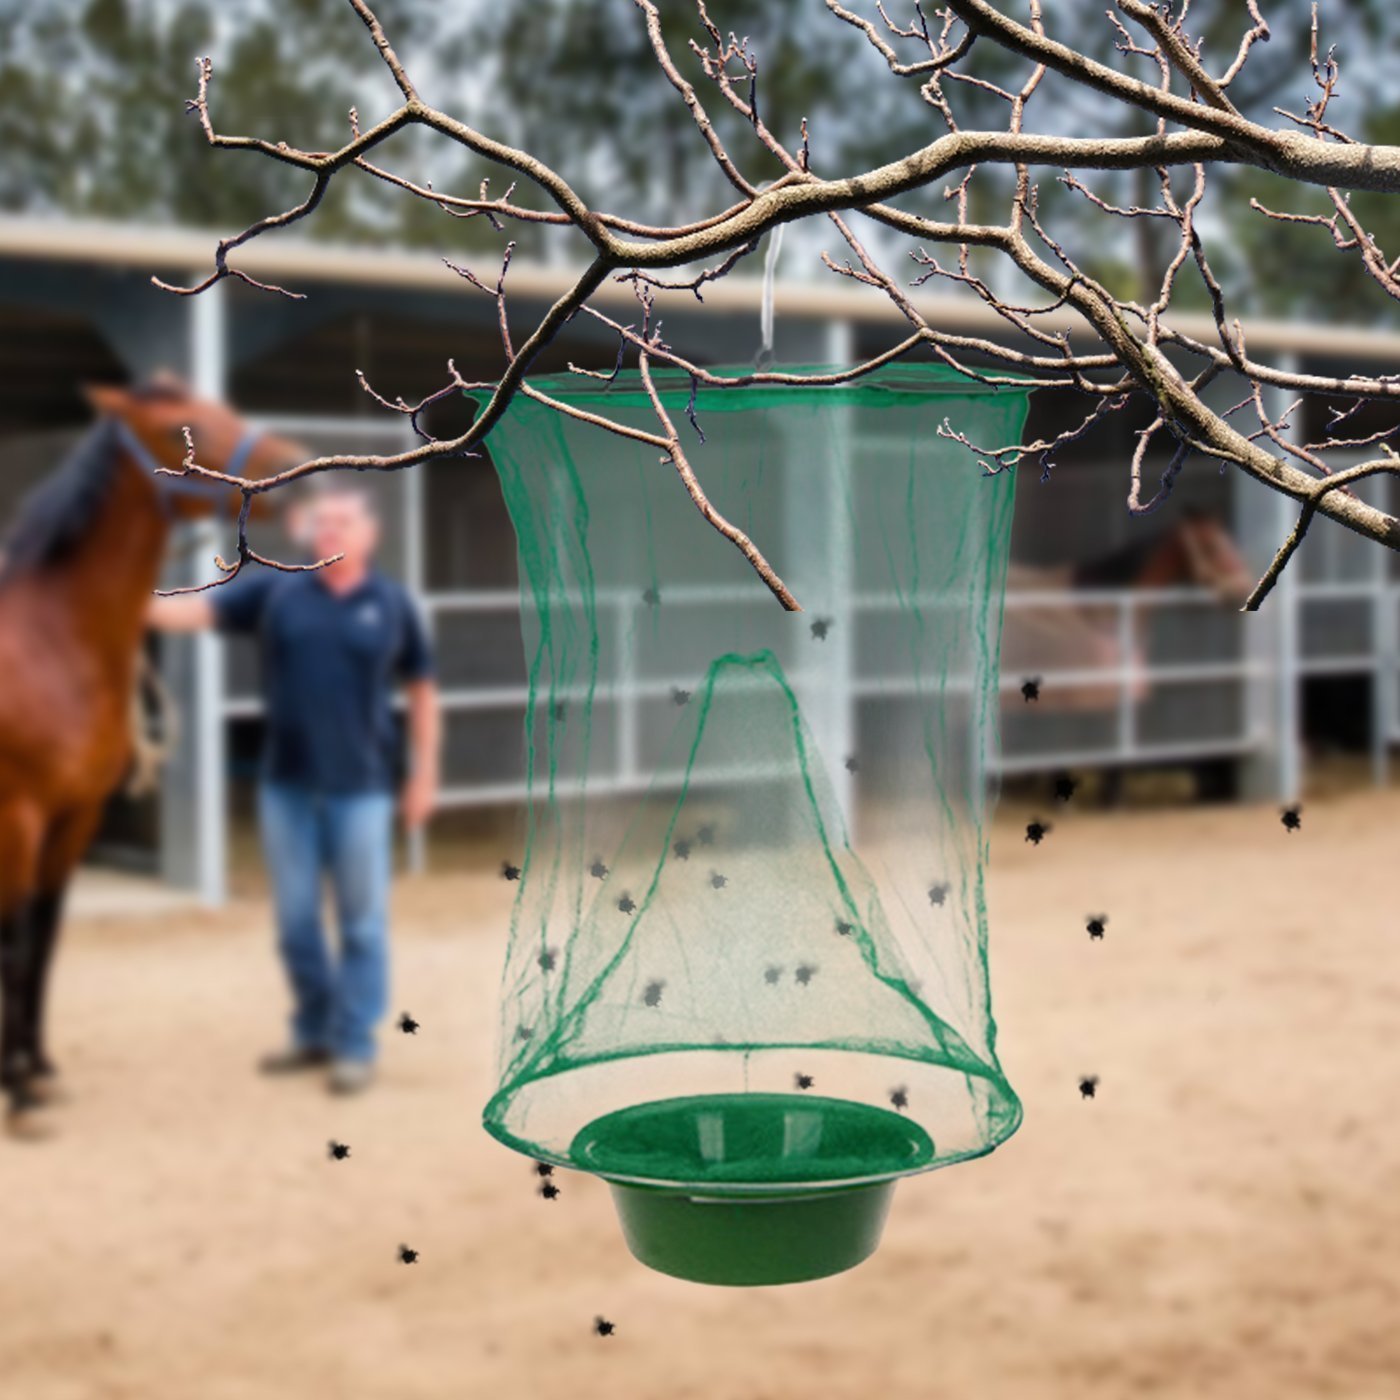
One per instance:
(1122, 744)
(1271, 670)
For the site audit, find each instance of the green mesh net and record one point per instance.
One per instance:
(749, 943)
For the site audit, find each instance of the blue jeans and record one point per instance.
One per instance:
(309, 838)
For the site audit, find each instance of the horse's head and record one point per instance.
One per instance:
(150, 419)
(1211, 558)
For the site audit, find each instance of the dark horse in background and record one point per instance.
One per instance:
(79, 563)
(1194, 551)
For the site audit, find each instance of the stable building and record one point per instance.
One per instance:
(1192, 682)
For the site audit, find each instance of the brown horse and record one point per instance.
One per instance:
(80, 561)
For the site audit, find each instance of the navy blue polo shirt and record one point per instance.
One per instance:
(329, 667)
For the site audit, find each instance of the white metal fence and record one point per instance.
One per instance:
(1218, 686)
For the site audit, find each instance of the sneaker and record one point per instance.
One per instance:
(351, 1076)
(294, 1059)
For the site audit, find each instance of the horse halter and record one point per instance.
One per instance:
(173, 488)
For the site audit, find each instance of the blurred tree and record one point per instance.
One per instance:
(74, 71)
(575, 81)
(577, 84)
(1268, 253)
(1255, 253)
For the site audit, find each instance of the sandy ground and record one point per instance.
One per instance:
(1222, 1221)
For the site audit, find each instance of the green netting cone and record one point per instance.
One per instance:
(746, 981)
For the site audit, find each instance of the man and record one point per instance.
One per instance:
(333, 640)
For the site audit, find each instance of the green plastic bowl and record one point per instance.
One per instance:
(745, 1189)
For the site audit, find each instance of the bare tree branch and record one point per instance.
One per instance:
(1133, 351)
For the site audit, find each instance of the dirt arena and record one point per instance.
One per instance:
(1222, 1221)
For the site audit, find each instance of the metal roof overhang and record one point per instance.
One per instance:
(294, 261)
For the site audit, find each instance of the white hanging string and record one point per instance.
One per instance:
(765, 321)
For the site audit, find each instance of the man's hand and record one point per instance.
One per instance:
(418, 800)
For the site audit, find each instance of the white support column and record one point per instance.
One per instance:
(1254, 524)
(1290, 680)
(1272, 643)
(840, 560)
(820, 570)
(206, 737)
(415, 580)
(1287, 605)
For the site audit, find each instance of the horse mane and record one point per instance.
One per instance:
(1124, 565)
(1120, 566)
(55, 514)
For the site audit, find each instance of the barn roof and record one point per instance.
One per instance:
(290, 260)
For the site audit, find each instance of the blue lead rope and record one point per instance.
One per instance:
(171, 487)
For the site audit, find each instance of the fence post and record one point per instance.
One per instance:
(1270, 637)
(1384, 621)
